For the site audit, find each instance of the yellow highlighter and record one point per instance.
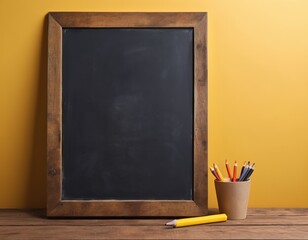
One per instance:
(197, 220)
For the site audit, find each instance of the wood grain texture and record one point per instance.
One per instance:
(260, 224)
(54, 114)
(83, 208)
(200, 115)
(127, 19)
(132, 208)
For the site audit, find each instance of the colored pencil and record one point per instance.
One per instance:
(228, 169)
(234, 172)
(250, 172)
(243, 168)
(219, 173)
(214, 173)
(244, 173)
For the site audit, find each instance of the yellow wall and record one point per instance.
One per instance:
(258, 92)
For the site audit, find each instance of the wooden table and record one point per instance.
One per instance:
(260, 224)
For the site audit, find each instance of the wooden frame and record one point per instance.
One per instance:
(117, 208)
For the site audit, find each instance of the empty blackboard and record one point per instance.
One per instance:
(127, 110)
(127, 123)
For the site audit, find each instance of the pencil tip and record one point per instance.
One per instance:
(172, 223)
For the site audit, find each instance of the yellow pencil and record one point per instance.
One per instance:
(219, 173)
(197, 220)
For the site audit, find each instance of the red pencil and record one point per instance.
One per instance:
(228, 169)
(234, 172)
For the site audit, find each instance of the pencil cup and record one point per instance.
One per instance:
(233, 198)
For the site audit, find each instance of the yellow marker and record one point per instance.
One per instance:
(219, 173)
(197, 220)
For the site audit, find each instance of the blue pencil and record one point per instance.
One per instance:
(243, 167)
(245, 171)
(249, 173)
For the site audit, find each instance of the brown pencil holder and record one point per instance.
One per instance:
(233, 198)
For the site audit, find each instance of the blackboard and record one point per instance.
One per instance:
(127, 114)
(127, 110)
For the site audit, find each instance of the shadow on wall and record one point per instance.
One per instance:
(36, 192)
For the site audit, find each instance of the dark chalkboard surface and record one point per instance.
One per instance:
(127, 113)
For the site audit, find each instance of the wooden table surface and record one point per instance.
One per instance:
(260, 224)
